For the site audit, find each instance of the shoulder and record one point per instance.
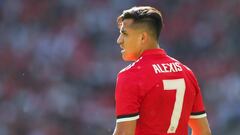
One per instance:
(189, 71)
(132, 73)
(190, 74)
(132, 68)
(186, 68)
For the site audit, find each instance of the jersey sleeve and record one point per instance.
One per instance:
(127, 98)
(198, 110)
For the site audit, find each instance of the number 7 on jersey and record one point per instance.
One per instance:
(179, 86)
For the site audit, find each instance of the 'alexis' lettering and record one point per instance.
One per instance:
(167, 67)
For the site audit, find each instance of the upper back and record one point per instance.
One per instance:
(166, 92)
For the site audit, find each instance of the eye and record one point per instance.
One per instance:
(123, 32)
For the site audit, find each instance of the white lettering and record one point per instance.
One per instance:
(159, 67)
(171, 67)
(175, 67)
(156, 69)
(167, 67)
(178, 66)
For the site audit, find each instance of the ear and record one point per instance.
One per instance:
(144, 37)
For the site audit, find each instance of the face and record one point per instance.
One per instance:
(130, 41)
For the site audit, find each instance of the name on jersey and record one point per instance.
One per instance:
(167, 67)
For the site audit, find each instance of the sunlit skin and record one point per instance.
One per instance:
(133, 41)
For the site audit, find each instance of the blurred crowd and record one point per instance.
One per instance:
(59, 61)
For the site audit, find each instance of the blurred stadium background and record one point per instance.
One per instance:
(59, 60)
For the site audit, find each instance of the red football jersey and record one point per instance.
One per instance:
(160, 93)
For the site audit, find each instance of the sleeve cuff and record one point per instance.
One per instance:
(197, 115)
(129, 117)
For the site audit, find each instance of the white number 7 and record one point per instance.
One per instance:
(179, 86)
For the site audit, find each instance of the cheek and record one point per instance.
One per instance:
(130, 45)
(134, 43)
(131, 42)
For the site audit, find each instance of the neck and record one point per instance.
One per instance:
(152, 45)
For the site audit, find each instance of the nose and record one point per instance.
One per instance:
(120, 39)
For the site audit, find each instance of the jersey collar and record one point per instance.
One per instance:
(158, 51)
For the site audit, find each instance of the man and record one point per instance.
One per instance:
(156, 95)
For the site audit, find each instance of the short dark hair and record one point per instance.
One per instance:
(144, 15)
